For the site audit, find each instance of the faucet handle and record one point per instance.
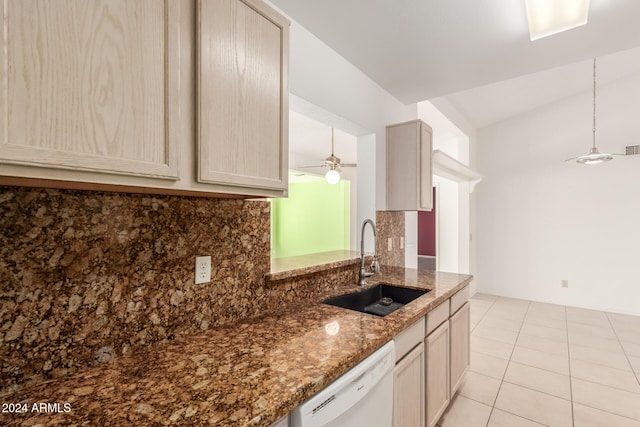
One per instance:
(375, 265)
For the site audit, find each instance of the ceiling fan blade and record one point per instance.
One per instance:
(349, 165)
(308, 167)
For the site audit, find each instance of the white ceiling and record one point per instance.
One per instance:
(424, 49)
(310, 143)
(495, 102)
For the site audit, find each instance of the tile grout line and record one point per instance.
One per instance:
(494, 305)
(626, 356)
(470, 332)
(485, 313)
(585, 380)
(476, 325)
(508, 362)
(566, 321)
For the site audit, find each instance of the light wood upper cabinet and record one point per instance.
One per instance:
(242, 94)
(90, 85)
(409, 168)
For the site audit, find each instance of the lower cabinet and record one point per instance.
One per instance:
(432, 357)
(460, 349)
(447, 351)
(408, 389)
(437, 373)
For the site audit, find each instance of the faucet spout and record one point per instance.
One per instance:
(375, 265)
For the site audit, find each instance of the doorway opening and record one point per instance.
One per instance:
(317, 216)
(427, 238)
(451, 215)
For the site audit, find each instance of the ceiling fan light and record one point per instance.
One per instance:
(547, 17)
(332, 176)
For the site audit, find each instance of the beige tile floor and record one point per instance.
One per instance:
(536, 364)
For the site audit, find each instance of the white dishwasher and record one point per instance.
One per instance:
(361, 397)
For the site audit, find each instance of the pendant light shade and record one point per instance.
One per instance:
(594, 156)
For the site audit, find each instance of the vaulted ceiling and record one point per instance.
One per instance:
(477, 54)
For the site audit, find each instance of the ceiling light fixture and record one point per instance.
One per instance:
(334, 164)
(332, 176)
(547, 17)
(594, 157)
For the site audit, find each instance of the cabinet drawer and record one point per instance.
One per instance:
(409, 338)
(459, 299)
(437, 316)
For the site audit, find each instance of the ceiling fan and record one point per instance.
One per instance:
(334, 164)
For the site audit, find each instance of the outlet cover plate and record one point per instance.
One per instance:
(203, 269)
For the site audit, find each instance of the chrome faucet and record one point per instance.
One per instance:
(375, 266)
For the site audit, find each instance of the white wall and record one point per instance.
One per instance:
(321, 77)
(447, 231)
(454, 206)
(466, 128)
(541, 220)
(349, 174)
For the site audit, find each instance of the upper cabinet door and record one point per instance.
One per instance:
(409, 167)
(242, 94)
(90, 85)
(425, 176)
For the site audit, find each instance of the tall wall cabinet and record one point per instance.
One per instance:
(150, 95)
(409, 167)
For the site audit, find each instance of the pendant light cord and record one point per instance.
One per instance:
(594, 102)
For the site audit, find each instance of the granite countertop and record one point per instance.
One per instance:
(283, 268)
(247, 374)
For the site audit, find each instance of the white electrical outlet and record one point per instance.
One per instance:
(401, 242)
(203, 269)
(390, 244)
(565, 283)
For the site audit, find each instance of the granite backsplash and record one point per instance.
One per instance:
(88, 276)
(390, 225)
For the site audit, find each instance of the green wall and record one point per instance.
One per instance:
(314, 218)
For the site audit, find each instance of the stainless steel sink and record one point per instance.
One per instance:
(379, 300)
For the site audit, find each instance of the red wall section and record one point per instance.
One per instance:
(427, 230)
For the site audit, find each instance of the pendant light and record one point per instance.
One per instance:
(594, 156)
